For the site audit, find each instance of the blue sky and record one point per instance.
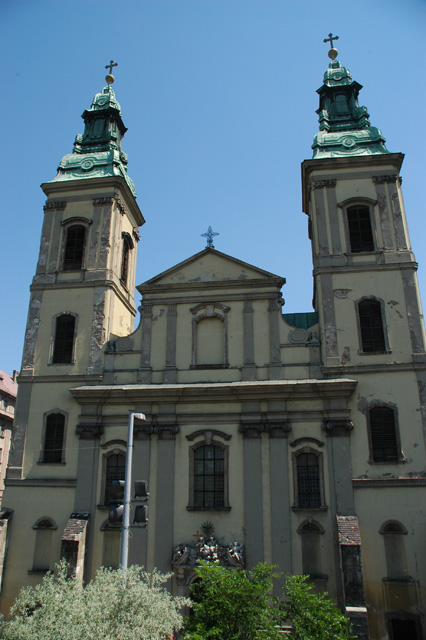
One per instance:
(219, 97)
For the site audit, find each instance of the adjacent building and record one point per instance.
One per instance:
(295, 439)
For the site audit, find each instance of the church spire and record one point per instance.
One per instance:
(344, 126)
(97, 152)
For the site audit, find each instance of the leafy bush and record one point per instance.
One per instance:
(313, 616)
(233, 605)
(116, 604)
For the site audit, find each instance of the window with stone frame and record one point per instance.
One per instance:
(371, 326)
(63, 347)
(360, 230)
(125, 258)
(394, 533)
(310, 532)
(54, 433)
(44, 528)
(383, 434)
(208, 472)
(115, 470)
(209, 477)
(74, 247)
(308, 480)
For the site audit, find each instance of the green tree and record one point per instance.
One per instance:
(230, 604)
(313, 616)
(115, 605)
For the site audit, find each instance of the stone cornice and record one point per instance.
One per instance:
(370, 483)
(385, 367)
(215, 392)
(52, 483)
(365, 266)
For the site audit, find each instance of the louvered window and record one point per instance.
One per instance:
(115, 470)
(360, 232)
(383, 434)
(64, 339)
(54, 437)
(74, 248)
(209, 477)
(308, 481)
(371, 326)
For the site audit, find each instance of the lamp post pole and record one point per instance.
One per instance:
(125, 527)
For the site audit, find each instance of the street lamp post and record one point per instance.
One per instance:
(125, 527)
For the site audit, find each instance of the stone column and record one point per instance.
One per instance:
(253, 511)
(275, 365)
(249, 367)
(170, 373)
(280, 500)
(165, 496)
(140, 468)
(145, 372)
(86, 487)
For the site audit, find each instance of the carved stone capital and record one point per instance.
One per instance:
(278, 429)
(166, 432)
(89, 431)
(55, 205)
(319, 184)
(251, 431)
(338, 427)
(100, 201)
(384, 179)
(142, 431)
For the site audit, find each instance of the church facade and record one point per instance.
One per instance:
(293, 439)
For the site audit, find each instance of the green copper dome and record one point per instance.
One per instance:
(344, 126)
(98, 153)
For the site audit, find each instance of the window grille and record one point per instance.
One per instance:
(209, 477)
(360, 232)
(371, 326)
(74, 248)
(64, 339)
(308, 481)
(54, 438)
(383, 434)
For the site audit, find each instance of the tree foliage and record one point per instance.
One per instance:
(313, 616)
(116, 604)
(233, 605)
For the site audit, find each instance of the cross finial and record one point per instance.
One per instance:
(115, 64)
(209, 235)
(109, 77)
(333, 51)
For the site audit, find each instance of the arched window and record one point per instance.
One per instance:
(311, 548)
(383, 434)
(125, 258)
(63, 348)
(44, 527)
(115, 470)
(308, 479)
(393, 533)
(74, 247)
(359, 227)
(53, 451)
(371, 326)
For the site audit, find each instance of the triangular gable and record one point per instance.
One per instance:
(210, 265)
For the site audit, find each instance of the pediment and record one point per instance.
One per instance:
(210, 266)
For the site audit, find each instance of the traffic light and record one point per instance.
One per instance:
(141, 495)
(117, 494)
(141, 489)
(141, 514)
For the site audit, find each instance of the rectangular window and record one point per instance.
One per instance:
(371, 326)
(360, 232)
(209, 477)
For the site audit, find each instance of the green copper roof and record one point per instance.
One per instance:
(97, 153)
(344, 126)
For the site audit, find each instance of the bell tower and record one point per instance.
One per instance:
(83, 289)
(365, 285)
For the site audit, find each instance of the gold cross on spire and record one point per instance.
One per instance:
(115, 64)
